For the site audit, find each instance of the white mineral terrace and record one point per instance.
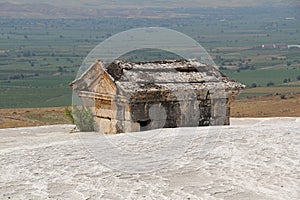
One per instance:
(251, 159)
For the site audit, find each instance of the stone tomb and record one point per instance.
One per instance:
(127, 96)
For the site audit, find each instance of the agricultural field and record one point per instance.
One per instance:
(40, 57)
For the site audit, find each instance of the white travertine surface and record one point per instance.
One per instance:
(251, 159)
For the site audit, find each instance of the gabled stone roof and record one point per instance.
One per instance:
(168, 75)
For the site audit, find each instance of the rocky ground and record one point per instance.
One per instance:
(251, 159)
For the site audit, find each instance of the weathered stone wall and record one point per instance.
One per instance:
(156, 109)
(114, 116)
(179, 111)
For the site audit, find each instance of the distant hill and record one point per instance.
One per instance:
(157, 3)
(124, 8)
(42, 10)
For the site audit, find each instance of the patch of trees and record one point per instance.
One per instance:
(31, 63)
(222, 68)
(28, 53)
(62, 69)
(280, 58)
(286, 80)
(243, 64)
(270, 84)
(253, 85)
(22, 76)
(245, 67)
(70, 60)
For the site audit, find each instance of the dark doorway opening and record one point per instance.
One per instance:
(144, 124)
